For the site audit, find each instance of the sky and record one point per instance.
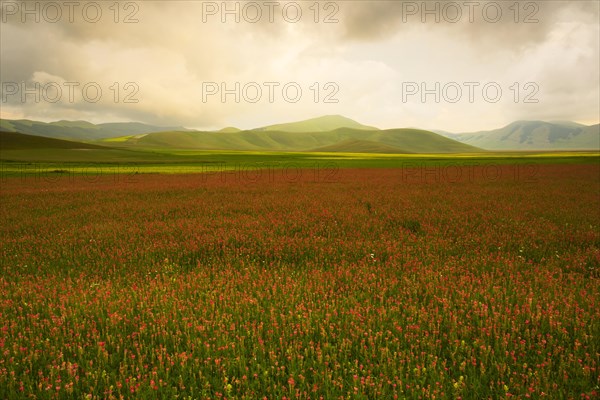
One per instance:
(459, 66)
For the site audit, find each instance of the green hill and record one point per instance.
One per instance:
(20, 141)
(20, 147)
(331, 133)
(229, 129)
(319, 124)
(79, 130)
(420, 141)
(343, 139)
(360, 146)
(535, 135)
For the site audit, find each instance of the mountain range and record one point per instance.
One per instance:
(534, 135)
(79, 130)
(331, 133)
(337, 140)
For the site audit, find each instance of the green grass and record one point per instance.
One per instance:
(94, 161)
(119, 139)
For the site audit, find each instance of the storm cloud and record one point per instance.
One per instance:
(154, 61)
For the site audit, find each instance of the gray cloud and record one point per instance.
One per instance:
(515, 27)
(368, 52)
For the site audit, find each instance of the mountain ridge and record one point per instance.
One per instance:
(534, 135)
(318, 124)
(395, 140)
(79, 130)
(326, 133)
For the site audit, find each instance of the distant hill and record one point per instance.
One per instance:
(19, 147)
(326, 133)
(320, 124)
(330, 133)
(342, 139)
(79, 130)
(20, 141)
(229, 129)
(534, 135)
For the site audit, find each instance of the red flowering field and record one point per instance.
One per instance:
(372, 283)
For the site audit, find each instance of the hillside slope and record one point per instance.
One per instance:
(535, 135)
(79, 130)
(359, 140)
(319, 124)
(19, 141)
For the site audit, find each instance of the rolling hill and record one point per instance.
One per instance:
(534, 135)
(319, 124)
(18, 147)
(337, 140)
(359, 146)
(79, 130)
(330, 133)
(229, 129)
(326, 133)
(20, 141)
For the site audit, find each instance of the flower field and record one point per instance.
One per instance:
(366, 284)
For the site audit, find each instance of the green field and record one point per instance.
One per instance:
(108, 160)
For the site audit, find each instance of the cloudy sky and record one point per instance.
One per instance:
(456, 66)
